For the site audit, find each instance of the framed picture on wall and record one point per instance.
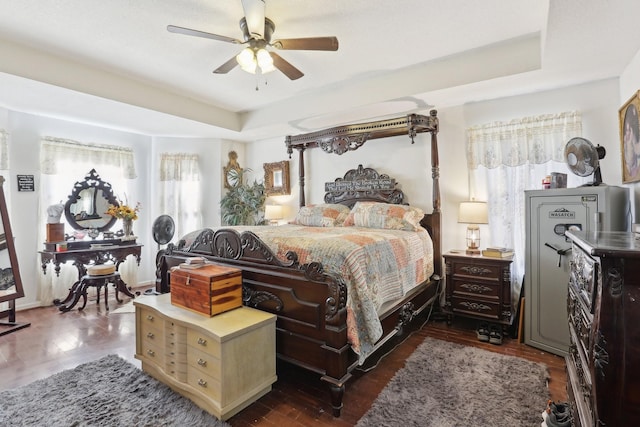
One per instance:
(630, 139)
(276, 178)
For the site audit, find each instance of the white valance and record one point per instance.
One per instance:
(179, 167)
(535, 140)
(54, 150)
(4, 150)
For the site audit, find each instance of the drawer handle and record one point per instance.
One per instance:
(474, 306)
(149, 317)
(202, 383)
(202, 362)
(475, 271)
(202, 341)
(188, 282)
(475, 288)
(150, 335)
(151, 353)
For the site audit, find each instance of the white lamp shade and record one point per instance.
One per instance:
(473, 212)
(272, 212)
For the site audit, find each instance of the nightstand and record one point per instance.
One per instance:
(478, 287)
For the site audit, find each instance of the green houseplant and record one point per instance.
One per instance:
(244, 203)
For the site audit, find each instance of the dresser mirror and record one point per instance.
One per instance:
(88, 203)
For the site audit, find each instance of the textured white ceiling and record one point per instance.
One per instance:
(114, 63)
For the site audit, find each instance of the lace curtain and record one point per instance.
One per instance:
(504, 160)
(4, 150)
(180, 195)
(64, 162)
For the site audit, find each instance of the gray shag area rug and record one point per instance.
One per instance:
(446, 384)
(106, 392)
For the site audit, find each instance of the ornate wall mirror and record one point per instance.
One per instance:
(10, 281)
(232, 171)
(88, 204)
(276, 178)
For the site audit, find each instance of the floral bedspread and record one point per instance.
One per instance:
(377, 266)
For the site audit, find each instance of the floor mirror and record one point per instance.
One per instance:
(10, 282)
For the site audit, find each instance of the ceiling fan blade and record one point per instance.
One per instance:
(254, 14)
(196, 33)
(227, 66)
(287, 69)
(310, 43)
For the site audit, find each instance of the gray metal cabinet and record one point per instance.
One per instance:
(549, 213)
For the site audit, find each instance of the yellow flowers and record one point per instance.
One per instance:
(124, 212)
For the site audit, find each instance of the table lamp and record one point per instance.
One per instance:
(473, 213)
(273, 213)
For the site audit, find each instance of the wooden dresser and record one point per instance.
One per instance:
(603, 364)
(479, 287)
(222, 363)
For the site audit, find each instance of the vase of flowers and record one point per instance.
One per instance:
(127, 214)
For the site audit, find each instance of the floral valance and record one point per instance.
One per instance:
(4, 150)
(537, 139)
(55, 150)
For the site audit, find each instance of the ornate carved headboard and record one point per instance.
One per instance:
(363, 185)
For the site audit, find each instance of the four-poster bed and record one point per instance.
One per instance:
(314, 328)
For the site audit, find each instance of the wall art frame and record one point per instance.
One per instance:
(630, 139)
(276, 178)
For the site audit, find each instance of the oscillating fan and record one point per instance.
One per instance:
(163, 229)
(583, 158)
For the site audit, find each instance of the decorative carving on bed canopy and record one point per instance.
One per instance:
(363, 184)
(342, 144)
(341, 139)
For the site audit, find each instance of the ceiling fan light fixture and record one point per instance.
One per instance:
(246, 60)
(265, 61)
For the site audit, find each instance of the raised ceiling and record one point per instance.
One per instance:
(113, 63)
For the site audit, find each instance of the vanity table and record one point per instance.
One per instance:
(81, 257)
(85, 212)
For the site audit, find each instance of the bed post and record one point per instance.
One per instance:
(301, 175)
(435, 175)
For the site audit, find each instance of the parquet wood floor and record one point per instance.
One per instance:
(56, 341)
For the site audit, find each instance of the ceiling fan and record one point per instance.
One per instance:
(257, 31)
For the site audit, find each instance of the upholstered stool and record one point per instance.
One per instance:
(99, 276)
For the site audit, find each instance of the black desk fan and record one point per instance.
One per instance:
(583, 158)
(162, 230)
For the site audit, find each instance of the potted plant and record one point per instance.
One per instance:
(244, 203)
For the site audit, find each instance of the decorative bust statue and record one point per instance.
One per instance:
(54, 212)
